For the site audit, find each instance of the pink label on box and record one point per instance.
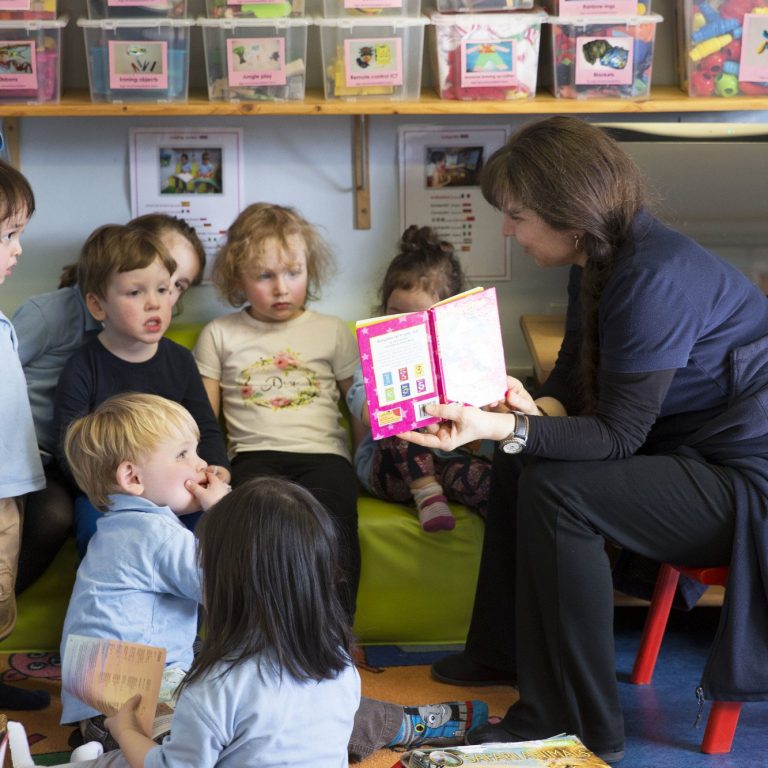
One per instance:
(604, 60)
(250, 2)
(572, 8)
(256, 61)
(373, 61)
(753, 67)
(15, 5)
(488, 63)
(18, 65)
(147, 3)
(138, 65)
(373, 4)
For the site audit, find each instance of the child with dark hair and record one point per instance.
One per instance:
(424, 272)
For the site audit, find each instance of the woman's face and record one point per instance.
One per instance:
(548, 247)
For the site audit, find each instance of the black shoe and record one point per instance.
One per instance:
(490, 733)
(458, 669)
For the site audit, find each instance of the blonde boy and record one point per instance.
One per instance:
(136, 458)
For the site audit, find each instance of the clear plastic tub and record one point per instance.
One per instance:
(137, 59)
(375, 58)
(722, 48)
(30, 60)
(333, 9)
(255, 59)
(603, 57)
(127, 9)
(486, 55)
(482, 6)
(259, 9)
(15, 10)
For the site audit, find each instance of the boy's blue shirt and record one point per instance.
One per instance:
(139, 582)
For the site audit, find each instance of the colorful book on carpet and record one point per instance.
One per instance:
(557, 752)
(105, 673)
(451, 352)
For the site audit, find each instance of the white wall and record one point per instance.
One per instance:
(78, 168)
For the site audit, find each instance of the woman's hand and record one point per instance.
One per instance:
(518, 399)
(212, 490)
(461, 424)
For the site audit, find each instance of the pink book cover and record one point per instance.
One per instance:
(452, 352)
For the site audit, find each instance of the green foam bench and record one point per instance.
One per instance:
(416, 588)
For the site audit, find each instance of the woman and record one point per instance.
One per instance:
(658, 442)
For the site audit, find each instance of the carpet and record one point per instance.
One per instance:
(407, 683)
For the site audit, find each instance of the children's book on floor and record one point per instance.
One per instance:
(451, 352)
(105, 673)
(556, 752)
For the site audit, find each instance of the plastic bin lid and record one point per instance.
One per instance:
(135, 23)
(234, 22)
(532, 15)
(32, 24)
(578, 21)
(372, 21)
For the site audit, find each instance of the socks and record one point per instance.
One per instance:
(432, 507)
(441, 725)
(22, 698)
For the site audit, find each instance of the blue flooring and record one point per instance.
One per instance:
(659, 717)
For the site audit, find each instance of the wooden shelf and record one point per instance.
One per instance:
(665, 99)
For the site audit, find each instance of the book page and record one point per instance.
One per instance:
(469, 348)
(105, 673)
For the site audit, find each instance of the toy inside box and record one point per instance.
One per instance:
(30, 60)
(486, 55)
(372, 58)
(263, 59)
(724, 48)
(137, 59)
(603, 57)
(27, 9)
(122, 9)
(259, 9)
(336, 8)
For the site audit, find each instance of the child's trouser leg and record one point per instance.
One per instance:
(10, 541)
(376, 725)
(466, 479)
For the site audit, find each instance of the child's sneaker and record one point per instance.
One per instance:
(441, 725)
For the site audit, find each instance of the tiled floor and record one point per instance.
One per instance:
(659, 717)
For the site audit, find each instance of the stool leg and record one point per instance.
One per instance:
(721, 725)
(655, 624)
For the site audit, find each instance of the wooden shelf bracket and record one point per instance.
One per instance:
(362, 178)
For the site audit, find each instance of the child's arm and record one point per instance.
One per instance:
(124, 726)
(75, 393)
(213, 390)
(358, 428)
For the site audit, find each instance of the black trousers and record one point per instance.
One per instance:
(332, 481)
(544, 603)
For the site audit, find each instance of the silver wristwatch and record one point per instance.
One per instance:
(516, 440)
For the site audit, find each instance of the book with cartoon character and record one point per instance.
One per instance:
(451, 352)
(557, 752)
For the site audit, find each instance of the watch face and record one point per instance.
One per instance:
(511, 446)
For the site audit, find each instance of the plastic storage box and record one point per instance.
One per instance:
(486, 55)
(482, 6)
(30, 60)
(603, 57)
(723, 48)
(375, 58)
(228, 9)
(137, 59)
(14, 10)
(248, 59)
(367, 8)
(123, 9)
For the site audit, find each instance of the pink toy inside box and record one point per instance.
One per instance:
(724, 48)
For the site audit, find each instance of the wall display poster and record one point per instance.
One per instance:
(439, 188)
(195, 174)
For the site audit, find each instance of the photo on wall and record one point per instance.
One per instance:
(190, 170)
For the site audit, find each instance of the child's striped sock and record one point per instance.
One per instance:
(432, 506)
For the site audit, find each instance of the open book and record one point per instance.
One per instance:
(451, 352)
(105, 673)
(557, 752)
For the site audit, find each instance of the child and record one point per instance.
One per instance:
(124, 275)
(22, 471)
(424, 272)
(277, 368)
(50, 327)
(134, 455)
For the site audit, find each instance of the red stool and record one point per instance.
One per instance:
(724, 715)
